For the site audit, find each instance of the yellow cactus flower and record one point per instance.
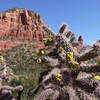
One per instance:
(61, 49)
(45, 41)
(4, 71)
(69, 56)
(50, 39)
(41, 52)
(74, 64)
(11, 74)
(1, 58)
(93, 97)
(97, 77)
(99, 62)
(58, 77)
(51, 36)
(39, 60)
(75, 49)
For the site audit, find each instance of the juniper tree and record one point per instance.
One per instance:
(68, 76)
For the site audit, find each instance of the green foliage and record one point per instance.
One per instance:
(12, 10)
(20, 59)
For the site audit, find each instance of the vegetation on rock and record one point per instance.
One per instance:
(21, 60)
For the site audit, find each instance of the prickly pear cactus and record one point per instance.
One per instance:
(68, 76)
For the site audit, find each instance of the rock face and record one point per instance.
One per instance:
(7, 45)
(22, 24)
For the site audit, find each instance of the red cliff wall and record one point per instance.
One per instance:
(22, 24)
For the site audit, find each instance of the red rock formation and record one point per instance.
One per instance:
(80, 39)
(7, 45)
(22, 24)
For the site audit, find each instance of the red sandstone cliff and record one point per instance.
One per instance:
(21, 24)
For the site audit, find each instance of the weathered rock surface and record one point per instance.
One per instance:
(22, 24)
(7, 45)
